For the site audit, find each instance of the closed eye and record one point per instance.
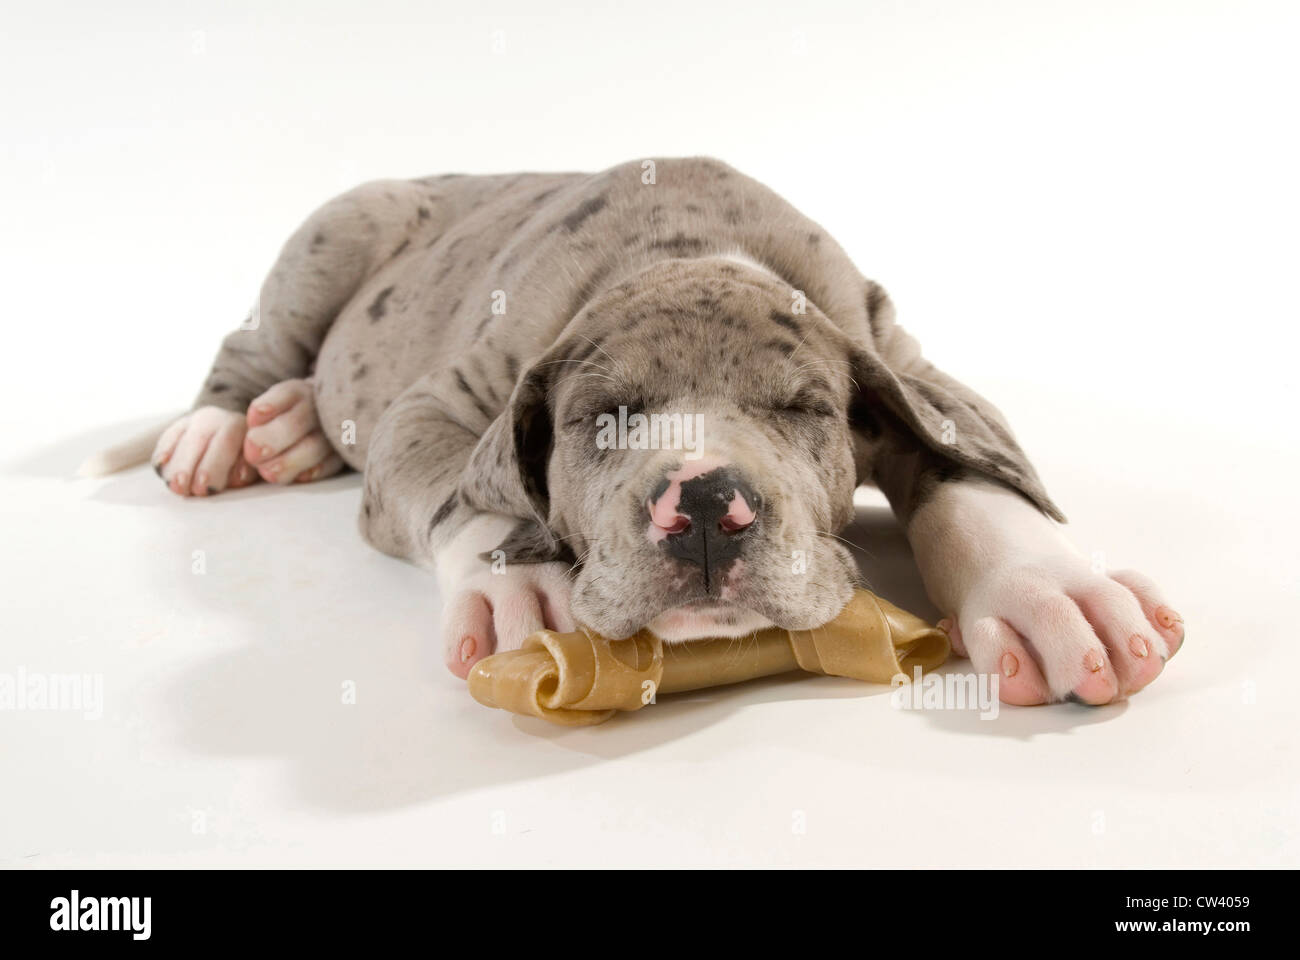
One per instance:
(807, 403)
(591, 413)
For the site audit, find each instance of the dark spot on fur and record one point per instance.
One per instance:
(378, 306)
(587, 208)
(401, 248)
(219, 388)
(787, 321)
(469, 392)
(443, 512)
(423, 213)
(679, 244)
(359, 372)
(539, 198)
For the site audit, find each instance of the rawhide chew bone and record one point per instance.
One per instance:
(580, 678)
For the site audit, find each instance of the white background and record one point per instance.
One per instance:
(1087, 211)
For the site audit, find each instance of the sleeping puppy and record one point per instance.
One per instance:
(645, 397)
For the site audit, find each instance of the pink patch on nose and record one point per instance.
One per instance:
(666, 518)
(663, 512)
(739, 514)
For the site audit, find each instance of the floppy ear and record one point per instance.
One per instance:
(506, 473)
(948, 417)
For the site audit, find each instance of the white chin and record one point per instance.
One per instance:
(692, 623)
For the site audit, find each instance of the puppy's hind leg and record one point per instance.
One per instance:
(318, 271)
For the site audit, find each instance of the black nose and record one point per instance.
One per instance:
(716, 516)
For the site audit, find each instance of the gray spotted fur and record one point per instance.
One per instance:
(613, 289)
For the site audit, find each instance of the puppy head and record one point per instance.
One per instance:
(690, 442)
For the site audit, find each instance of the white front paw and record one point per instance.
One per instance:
(1023, 603)
(491, 612)
(490, 605)
(1054, 629)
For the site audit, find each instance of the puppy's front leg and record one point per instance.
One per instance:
(490, 603)
(493, 592)
(1024, 602)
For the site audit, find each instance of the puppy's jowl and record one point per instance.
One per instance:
(479, 333)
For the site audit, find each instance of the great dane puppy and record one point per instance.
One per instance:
(645, 397)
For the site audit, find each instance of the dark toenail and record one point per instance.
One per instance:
(211, 491)
(157, 468)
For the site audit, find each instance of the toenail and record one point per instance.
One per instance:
(1093, 661)
(945, 625)
(1138, 645)
(262, 407)
(467, 648)
(1010, 665)
(1167, 617)
(264, 451)
(201, 480)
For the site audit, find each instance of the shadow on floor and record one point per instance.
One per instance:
(306, 608)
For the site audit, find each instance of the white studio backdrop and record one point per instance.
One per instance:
(1096, 198)
(1087, 211)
